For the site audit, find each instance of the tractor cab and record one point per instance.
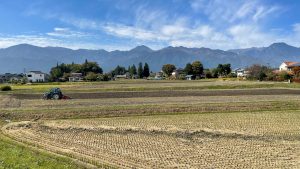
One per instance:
(54, 93)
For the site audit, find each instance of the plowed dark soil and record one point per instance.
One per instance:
(165, 93)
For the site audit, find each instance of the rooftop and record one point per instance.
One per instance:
(289, 63)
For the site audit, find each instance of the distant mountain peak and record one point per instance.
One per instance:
(23, 45)
(142, 48)
(279, 44)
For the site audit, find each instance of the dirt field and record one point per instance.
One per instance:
(191, 128)
(166, 93)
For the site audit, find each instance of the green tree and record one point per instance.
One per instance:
(208, 74)
(55, 74)
(76, 68)
(119, 70)
(258, 72)
(168, 69)
(91, 67)
(104, 77)
(140, 70)
(226, 69)
(197, 68)
(128, 69)
(261, 76)
(223, 70)
(146, 71)
(133, 70)
(188, 69)
(215, 72)
(284, 75)
(91, 76)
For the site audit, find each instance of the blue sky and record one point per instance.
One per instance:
(124, 24)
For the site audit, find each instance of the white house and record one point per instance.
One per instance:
(124, 76)
(35, 76)
(177, 72)
(190, 77)
(76, 77)
(287, 66)
(241, 72)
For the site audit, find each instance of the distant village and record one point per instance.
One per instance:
(91, 71)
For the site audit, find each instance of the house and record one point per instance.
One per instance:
(2, 79)
(16, 78)
(240, 72)
(125, 76)
(190, 77)
(288, 66)
(76, 77)
(36, 76)
(177, 72)
(8, 77)
(159, 75)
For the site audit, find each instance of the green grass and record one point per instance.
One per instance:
(16, 156)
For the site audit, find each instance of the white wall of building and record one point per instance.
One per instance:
(283, 67)
(35, 77)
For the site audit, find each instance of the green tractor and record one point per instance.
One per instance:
(54, 94)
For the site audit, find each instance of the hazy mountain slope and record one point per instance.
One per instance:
(24, 56)
(273, 55)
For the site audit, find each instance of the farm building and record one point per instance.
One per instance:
(288, 66)
(125, 76)
(177, 72)
(8, 77)
(190, 77)
(36, 76)
(76, 77)
(241, 72)
(159, 75)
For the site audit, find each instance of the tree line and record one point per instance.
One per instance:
(143, 71)
(196, 69)
(61, 72)
(91, 71)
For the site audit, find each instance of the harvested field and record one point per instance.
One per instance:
(167, 93)
(109, 107)
(176, 125)
(178, 141)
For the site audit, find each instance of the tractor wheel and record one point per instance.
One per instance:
(55, 97)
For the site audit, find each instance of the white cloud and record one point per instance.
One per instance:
(130, 32)
(248, 36)
(233, 10)
(226, 24)
(81, 23)
(67, 33)
(263, 11)
(44, 41)
(296, 28)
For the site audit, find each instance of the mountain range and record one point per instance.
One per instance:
(24, 57)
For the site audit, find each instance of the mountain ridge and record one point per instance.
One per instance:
(25, 56)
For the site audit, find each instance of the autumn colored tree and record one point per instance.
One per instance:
(168, 69)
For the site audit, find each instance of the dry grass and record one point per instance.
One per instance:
(253, 140)
(242, 131)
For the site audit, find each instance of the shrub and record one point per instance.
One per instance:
(296, 80)
(5, 88)
(91, 76)
(104, 77)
